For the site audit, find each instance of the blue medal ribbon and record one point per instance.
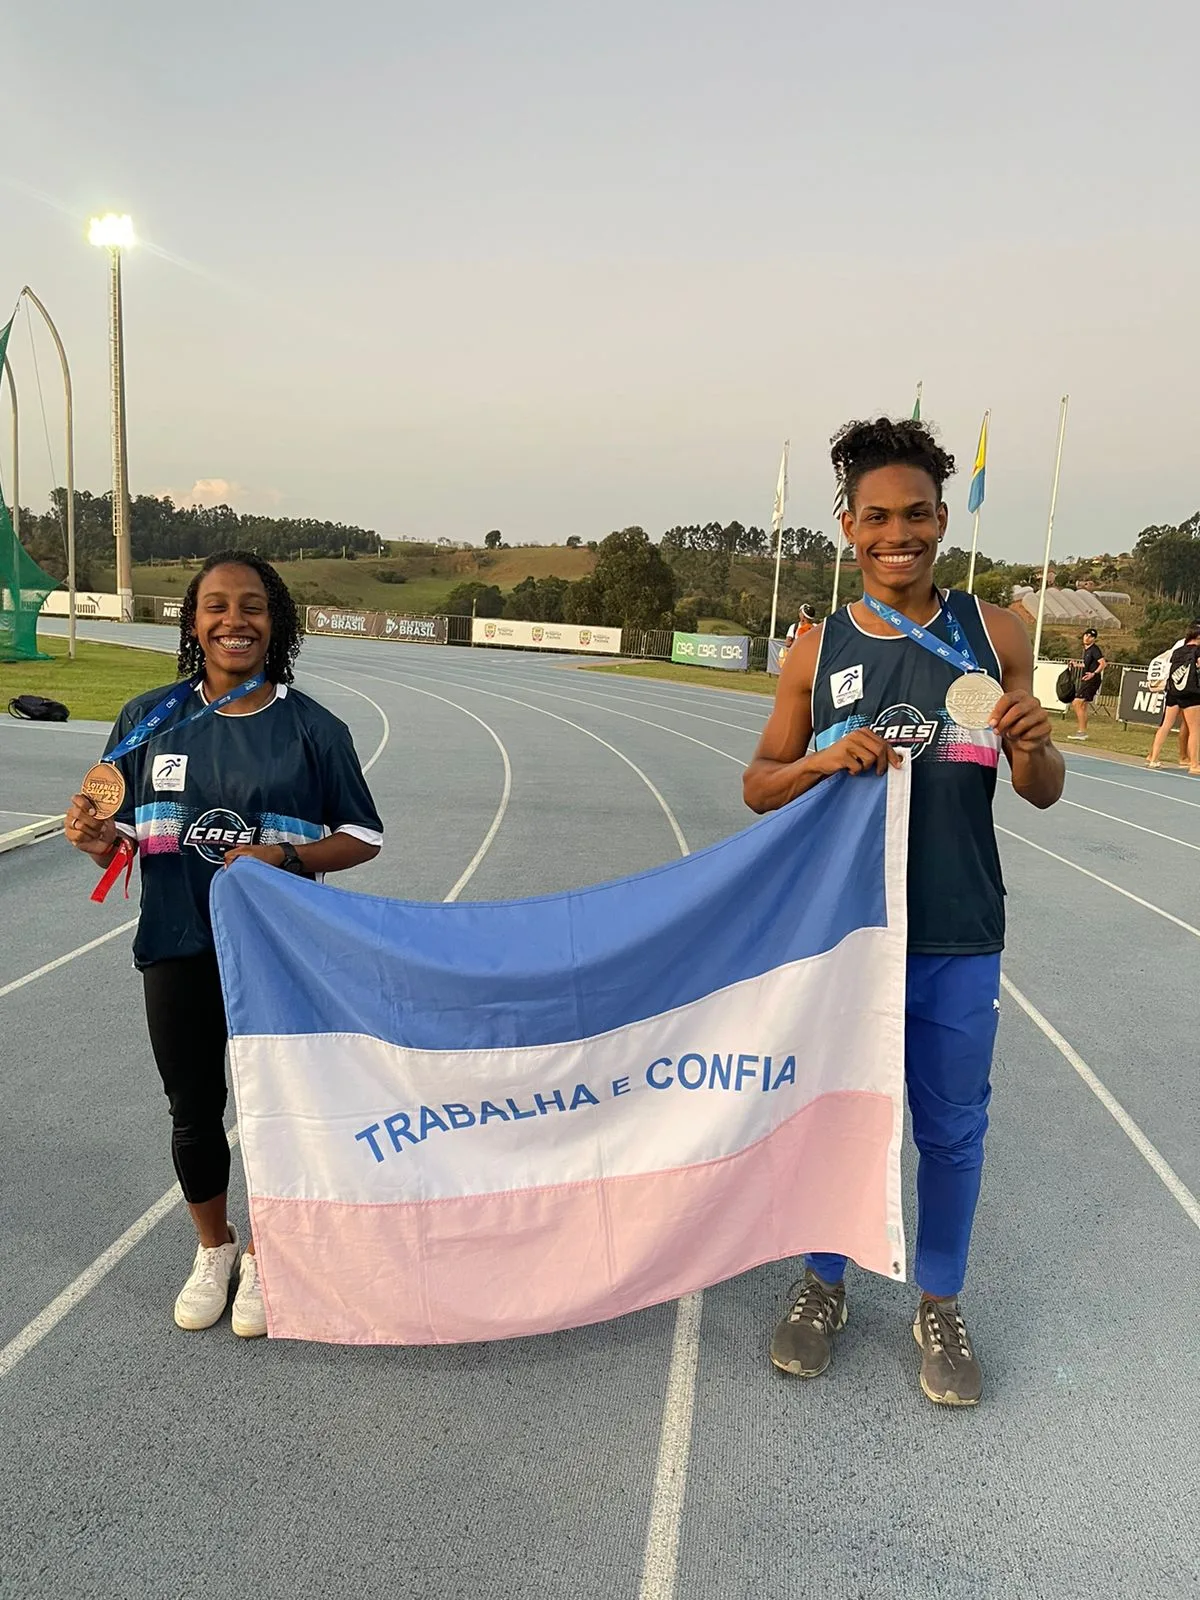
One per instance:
(957, 653)
(145, 730)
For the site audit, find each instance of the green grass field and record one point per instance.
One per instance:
(95, 685)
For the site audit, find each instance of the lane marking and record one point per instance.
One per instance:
(660, 1559)
(61, 961)
(663, 705)
(1124, 821)
(387, 727)
(612, 711)
(578, 726)
(34, 1332)
(1137, 788)
(473, 865)
(1147, 905)
(1173, 1182)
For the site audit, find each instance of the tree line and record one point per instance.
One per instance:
(159, 530)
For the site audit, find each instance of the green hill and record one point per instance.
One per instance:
(416, 582)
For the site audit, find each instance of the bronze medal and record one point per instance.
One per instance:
(104, 786)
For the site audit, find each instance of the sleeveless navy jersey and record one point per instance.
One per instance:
(890, 684)
(285, 772)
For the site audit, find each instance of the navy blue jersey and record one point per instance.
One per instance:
(288, 771)
(890, 684)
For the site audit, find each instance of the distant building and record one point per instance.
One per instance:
(1066, 608)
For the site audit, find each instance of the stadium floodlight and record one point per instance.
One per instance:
(111, 232)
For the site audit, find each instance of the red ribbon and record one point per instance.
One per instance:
(122, 859)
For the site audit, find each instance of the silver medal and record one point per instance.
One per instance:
(971, 699)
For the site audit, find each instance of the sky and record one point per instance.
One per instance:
(437, 268)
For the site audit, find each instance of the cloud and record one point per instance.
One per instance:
(223, 492)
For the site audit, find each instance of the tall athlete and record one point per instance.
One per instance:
(274, 776)
(852, 692)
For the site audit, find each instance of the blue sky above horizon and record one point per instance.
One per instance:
(438, 269)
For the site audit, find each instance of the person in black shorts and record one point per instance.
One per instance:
(1183, 691)
(273, 776)
(1091, 675)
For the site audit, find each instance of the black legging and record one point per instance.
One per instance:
(186, 1017)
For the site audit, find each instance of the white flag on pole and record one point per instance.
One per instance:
(781, 489)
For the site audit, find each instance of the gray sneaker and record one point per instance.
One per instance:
(801, 1343)
(950, 1374)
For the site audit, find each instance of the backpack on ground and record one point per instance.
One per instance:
(36, 708)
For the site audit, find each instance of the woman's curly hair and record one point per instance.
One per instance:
(286, 637)
(861, 447)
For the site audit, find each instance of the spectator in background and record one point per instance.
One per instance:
(1091, 674)
(1182, 701)
(1157, 674)
(805, 620)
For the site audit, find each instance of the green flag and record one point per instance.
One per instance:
(916, 416)
(23, 584)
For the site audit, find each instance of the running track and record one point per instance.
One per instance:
(660, 1455)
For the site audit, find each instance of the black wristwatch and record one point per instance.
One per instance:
(291, 859)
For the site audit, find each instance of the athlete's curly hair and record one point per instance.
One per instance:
(286, 637)
(860, 447)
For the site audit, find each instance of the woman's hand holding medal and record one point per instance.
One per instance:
(95, 836)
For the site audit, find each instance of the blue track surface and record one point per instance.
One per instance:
(659, 1455)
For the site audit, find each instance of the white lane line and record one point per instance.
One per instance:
(493, 694)
(61, 961)
(34, 1332)
(472, 866)
(1124, 821)
(1137, 788)
(1111, 1104)
(387, 727)
(1147, 905)
(661, 1556)
(679, 711)
(612, 711)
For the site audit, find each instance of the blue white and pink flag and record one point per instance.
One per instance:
(466, 1122)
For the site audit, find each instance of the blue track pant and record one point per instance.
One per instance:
(950, 1020)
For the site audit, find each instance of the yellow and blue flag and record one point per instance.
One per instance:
(975, 494)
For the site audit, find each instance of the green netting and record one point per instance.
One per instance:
(23, 588)
(23, 584)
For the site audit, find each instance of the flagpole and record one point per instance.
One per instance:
(974, 548)
(837, 570)
(1041, 610)
(780, 503)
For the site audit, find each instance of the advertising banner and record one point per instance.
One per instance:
(1139, 702)
(777, 651)
(711, 650)
(107, 606)
(546, 636)
(375, 625)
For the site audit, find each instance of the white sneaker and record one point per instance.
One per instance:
(249, 1313)
(203, 1298)
(1078, 738)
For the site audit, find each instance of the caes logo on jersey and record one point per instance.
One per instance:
(906, 728)
(217, 832)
